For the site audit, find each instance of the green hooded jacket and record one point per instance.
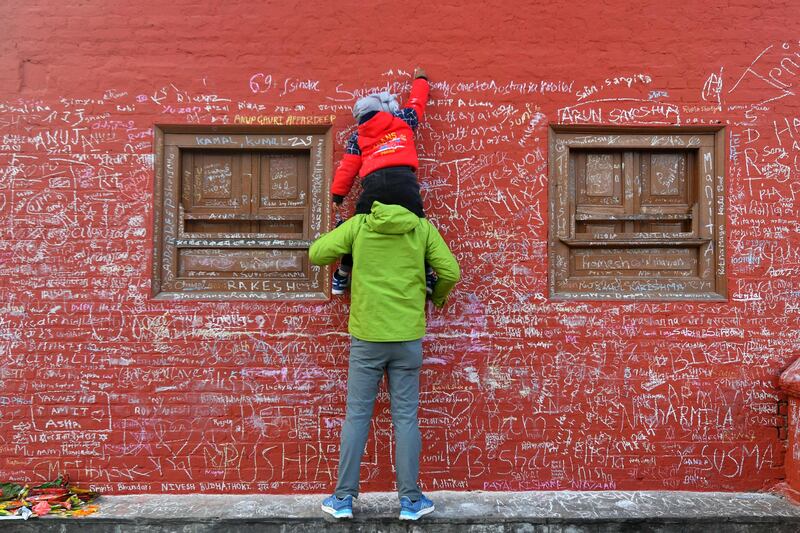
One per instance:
(390, 247)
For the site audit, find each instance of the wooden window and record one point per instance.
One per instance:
(637, 213)
(236, 210)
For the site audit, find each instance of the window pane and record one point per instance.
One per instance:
(665, 187)
(215, 181)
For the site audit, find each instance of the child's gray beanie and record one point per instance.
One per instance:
(383, 101)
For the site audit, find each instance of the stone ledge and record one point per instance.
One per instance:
(477, 512)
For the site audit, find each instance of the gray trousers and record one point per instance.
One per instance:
(368, 362)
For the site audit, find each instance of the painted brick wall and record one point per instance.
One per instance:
(519, 392)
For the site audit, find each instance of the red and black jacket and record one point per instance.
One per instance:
(383, 140)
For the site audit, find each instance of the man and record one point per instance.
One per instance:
(390, 247)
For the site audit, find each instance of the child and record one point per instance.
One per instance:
(382, 151)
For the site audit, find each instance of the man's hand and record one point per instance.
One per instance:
(420, 73)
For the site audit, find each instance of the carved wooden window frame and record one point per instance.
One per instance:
(704, 229)
(172, 142)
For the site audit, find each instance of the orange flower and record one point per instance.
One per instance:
(89, 509)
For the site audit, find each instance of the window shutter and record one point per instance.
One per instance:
(630, 214)
(236, 214)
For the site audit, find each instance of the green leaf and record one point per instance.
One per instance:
(51, 484)
(10, 491)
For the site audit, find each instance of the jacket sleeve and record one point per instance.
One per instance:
(332, 245)
(441, 259)
(417, 100)
(347, 170)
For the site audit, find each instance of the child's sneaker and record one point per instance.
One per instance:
(338, 508)
(340, 282)
(414, 510)
(430, 281)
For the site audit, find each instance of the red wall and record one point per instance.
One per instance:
(519, 392)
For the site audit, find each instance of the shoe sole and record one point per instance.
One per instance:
(337, 514)
(337, 292)
(416, 516)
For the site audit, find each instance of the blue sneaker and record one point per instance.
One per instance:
(414, 510)
(338, 508)
(340, 283)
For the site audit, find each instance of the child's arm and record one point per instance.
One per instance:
(414, 110)
(347, 170)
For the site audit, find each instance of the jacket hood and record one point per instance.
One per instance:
(376, 126)
(391, 219)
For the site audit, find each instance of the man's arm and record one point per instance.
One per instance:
(441, 259)
(347, 170)
(332, 245)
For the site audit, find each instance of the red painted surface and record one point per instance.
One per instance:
(521, 393)
(790, 383)
(793, 454)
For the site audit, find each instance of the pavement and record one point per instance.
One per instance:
(474, 512)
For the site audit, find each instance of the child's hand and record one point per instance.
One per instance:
(420, 73)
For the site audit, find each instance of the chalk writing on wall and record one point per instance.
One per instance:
(519, 393)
